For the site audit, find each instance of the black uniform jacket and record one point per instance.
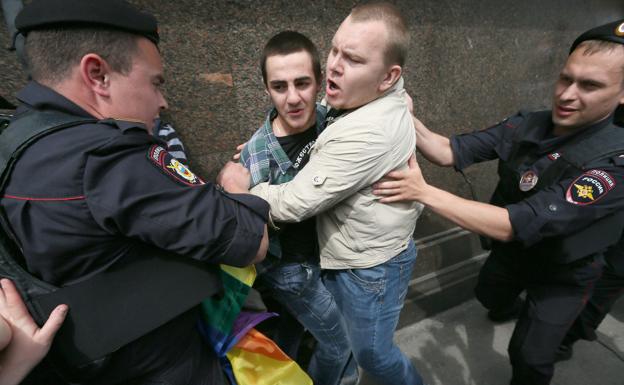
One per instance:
(570, 204)
(82, 198)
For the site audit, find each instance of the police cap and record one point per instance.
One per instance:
(613, 32)
(115, 14)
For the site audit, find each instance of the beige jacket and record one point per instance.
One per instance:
(354, 229)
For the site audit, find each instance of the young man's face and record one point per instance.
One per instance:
(137, 96)
(589, 88)
(355, 65)
(292, 87)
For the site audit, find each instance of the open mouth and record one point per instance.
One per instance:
(332, 88)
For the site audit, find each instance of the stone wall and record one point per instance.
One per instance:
(472, 63)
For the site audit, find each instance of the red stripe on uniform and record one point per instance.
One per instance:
(45, 199)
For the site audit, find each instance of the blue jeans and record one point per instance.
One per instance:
(299, 288)
(371, 300)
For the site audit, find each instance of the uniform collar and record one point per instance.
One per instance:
(577, 135)
(37, 96)
(541, 132)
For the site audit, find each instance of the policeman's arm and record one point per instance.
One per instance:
(481, 218)
(264, 246)
(435, 147)
(165, 205)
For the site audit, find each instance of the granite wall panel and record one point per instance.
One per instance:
(471, 63)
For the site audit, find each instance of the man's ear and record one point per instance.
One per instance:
(95, 73)
(392, 75)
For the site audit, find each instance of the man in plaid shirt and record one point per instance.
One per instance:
(275, 153)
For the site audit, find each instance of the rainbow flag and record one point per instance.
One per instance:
(257, 360)
(247, 356)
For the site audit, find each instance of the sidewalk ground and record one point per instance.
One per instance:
(462, 347)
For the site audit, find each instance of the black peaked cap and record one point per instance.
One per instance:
(116, 14)
(613, 32)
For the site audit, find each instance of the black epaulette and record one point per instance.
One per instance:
(124, 125)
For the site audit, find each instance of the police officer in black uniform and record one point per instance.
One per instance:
(94, 202)
(610, 287)
(558, 204)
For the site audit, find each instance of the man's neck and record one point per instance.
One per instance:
(280, 129)
(78, 95)
(564, 130)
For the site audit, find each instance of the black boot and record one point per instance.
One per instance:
(564, 352)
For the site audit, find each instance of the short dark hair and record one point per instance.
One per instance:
(52, 53)
(591, 47)
(287, 42)
(397, 45)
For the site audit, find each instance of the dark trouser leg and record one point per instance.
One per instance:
(609, 288)
(554, 300)
(500, 283)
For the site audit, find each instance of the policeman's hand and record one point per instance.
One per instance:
(29, 343)
(239, 149)
(234, 178)
(404, 185)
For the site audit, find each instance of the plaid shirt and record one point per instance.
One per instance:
(268, 162)
(264, 157)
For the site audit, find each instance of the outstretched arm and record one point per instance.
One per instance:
(481, 218)
(28, 343)
(435, 147)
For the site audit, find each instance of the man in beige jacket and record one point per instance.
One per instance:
(366, 247)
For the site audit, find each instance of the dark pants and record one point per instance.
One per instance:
(174, 354)
(555, 295)
(609, 288)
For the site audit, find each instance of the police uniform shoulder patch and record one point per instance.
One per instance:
(590, 187)
(170, 166)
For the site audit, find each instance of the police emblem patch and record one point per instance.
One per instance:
(589, 187)
(620, 30)
(528, 180)
(172, 167)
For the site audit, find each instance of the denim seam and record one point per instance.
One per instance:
(379, 307)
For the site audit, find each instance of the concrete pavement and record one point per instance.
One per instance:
(462, 347)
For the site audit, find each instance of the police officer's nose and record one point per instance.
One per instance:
(164, 105)
(569, 93)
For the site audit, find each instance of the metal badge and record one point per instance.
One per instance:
(619, 31)
(528, 180)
